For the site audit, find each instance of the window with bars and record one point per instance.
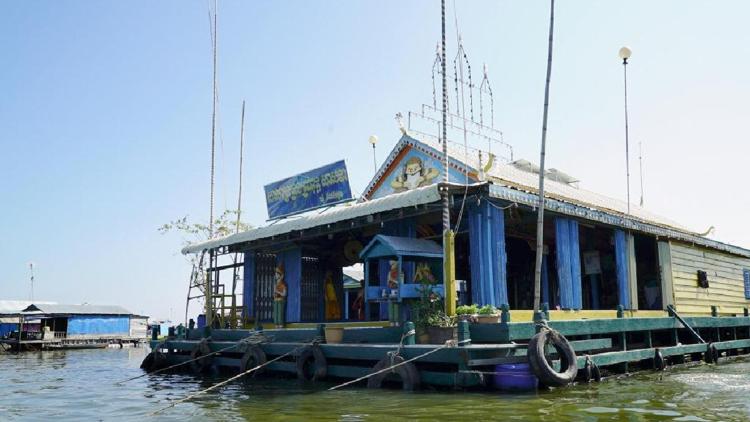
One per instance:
(746, 275)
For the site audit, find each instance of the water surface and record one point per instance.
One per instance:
(80, 385)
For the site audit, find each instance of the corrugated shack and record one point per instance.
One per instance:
(10, 312)
(88, 321)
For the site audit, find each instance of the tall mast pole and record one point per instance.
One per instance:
(213, 127)
(449, 268)
(540, 210)
(446, 201)
(242, 147)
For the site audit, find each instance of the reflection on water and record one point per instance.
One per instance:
(79, 385)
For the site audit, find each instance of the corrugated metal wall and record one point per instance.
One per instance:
(98, 325)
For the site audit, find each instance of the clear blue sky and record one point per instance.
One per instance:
(105, 112)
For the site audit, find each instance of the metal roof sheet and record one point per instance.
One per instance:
(403, 246)
(16, 306)
(84, 309)
(512, 176)
(424, 195)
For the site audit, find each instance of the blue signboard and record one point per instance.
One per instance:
(322, 186)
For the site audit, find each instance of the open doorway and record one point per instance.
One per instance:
(598, 272)
(647, 272)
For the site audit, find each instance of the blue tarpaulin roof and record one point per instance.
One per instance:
(382, 246)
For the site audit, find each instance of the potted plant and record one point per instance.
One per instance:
(488, 314)
(441, 327)
(467, 313)
(424, 311)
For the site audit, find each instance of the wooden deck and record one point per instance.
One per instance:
(616, 345)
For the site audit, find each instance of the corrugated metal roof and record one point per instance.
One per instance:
(85, 309)
(404, 246)
(424, 195)
(16, 306)
(514, 177)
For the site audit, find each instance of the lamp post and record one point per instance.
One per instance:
(374, 140)
(625, 55)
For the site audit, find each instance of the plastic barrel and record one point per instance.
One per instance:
(515, 377)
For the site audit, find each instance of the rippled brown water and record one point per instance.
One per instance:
(79, 385)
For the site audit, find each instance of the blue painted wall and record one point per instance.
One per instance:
(6, 328)
(292, 260)
(98, 324)
(488, 259)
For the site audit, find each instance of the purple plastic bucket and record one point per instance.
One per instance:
(515, 377)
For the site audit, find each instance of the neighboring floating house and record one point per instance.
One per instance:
(10, 313)
(598, 256)
(77, 326)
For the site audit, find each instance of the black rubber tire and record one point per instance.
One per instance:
(160, 361)
(147, 362)
(712, 353)
(312, 355)
(408, 374)
(253, 356)
(596, 373)
(201, 364)
(660, 363)
(591, 372)
(542, 367)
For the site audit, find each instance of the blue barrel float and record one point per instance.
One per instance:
(515, 377)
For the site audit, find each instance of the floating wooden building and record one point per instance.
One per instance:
(41, 326)
(615, 279)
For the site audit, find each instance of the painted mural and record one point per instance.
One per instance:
(414, 170)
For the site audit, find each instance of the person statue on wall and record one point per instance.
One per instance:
(394, 276)
(359, 303)
(333, 310)
(279, 297)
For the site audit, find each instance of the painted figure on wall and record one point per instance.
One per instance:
(333, 310)
(393, 275)
(414, 175)
(423, 274)
(279, 297)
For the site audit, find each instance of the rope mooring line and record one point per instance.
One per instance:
(449, 343)
(215, 386)
(255, 338)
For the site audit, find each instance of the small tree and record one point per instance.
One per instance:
(225, 224)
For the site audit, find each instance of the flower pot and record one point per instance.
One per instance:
(334, 335)
(423, 338)
(439, 335)
(488, 319)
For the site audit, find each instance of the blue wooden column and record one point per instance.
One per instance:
(248, 285)
(621, 260)
(292, 260)
(545, 281)
(568, 263)
(488, 259)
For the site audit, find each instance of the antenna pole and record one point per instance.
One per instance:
(242, 147)
(540, 211)
(449, 268)
(627, 140)
(446, 202)
(213, 128)
(31, 269)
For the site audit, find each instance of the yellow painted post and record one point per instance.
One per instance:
(449, 272)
